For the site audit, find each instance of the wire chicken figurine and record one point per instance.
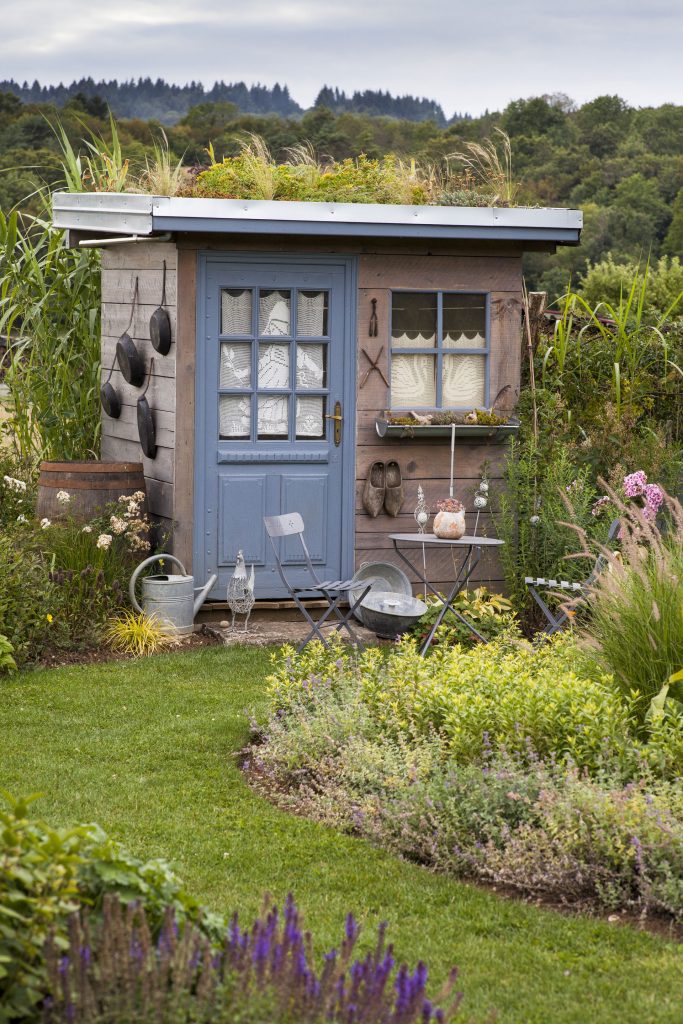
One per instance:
(241, 591)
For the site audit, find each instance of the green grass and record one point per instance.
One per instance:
(147, 749)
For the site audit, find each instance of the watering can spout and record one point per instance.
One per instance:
(204, 593)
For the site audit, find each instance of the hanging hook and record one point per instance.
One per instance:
(373, 330)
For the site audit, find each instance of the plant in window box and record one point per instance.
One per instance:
(449, 521)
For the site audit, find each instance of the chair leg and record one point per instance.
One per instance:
(554, 622)
(345, 620)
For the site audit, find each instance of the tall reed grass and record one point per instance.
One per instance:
(50, 320)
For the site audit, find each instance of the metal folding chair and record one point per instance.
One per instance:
(556, 620)
(334, 591)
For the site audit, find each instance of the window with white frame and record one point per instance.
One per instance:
(439, 350)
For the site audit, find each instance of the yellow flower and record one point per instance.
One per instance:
(48, 617)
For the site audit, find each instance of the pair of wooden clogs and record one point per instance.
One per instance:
(383, 489)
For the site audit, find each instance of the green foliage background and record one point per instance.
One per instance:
(623, 166)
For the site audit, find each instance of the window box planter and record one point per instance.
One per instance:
(465, 431)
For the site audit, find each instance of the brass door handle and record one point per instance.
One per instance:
(338, 420)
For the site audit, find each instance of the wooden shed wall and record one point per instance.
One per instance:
(427, 462)
(121, 265)
(382, 267)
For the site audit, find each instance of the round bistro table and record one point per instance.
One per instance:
(472, 548)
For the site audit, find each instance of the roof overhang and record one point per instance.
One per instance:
(114, 214)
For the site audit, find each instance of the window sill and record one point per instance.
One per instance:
(465, 431)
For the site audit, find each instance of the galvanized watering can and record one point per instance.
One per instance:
(170, 598)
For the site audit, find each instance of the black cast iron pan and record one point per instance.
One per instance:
(160, 323)
(146, 430)
(109, 396)
(130, 361)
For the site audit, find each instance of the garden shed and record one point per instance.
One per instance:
(297, 332)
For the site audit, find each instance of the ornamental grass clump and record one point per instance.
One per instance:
(634, 628)
(119, 972)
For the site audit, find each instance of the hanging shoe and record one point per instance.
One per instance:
(393, 493)
(373, 491)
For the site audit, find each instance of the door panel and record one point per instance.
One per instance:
(275, 353)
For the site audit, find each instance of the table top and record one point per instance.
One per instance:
(462, 542)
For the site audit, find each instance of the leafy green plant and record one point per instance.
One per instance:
(27, 599)
(138, 634)
(45, 875)
(491, 615)
(50, 316)
(103, 168)
(163, 174)
(490, 162)
(7, 662)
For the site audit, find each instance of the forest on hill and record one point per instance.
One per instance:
(622, 165)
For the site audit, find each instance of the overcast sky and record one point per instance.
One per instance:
(467, 55)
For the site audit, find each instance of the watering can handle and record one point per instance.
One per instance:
(143, 565)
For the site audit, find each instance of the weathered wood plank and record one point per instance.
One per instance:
(118, 285)
(422, 462)
(442, 566)
(183, 512)
(160, 395)
(472, 249)
(497, 273)
(140, 256)
(404, 522)
(116, 315)
(119, 449)
(506, 311)
(126, 426)
(160, 498)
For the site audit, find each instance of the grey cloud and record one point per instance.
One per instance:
(469, 56)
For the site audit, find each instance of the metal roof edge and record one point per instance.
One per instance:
(132, 213)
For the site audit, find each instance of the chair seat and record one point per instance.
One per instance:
(339, 586)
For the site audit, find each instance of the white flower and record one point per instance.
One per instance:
(87, 529)
(139, 496)
(104, 541)
(117, 525)
(14, 484)
(44, 523)
(22, 519)
(63, 497)
(535, 520)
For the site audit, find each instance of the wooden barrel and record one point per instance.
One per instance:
(91, 486)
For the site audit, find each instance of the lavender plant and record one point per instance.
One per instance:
(116, 972)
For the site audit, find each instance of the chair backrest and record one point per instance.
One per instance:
(290, 524)
(283, 526)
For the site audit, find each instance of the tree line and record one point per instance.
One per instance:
(622, 165)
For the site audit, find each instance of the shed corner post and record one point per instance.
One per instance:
(184, 456)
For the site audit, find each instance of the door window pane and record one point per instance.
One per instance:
(273, 416)
(464, 321)
(235, 369)
(275, 313)
(413, 319)
(310, 416)
(464, 381)
(310, 366)
(413, 381)
(311, 314)
(273, 366)
(234, 413)
(236, 306)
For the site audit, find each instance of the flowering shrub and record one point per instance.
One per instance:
(261, 975)
(491, 614)
(461, 784)
(7, 662)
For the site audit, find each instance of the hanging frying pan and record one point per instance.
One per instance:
(130, 361)
(109, 396)
(160, 323)
(146, 430)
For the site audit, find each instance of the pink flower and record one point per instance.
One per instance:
(599, 505)
(634, 484)
(654, 496)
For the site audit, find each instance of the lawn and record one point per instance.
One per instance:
(148, 750)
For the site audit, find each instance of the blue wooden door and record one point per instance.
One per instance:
(275, 363)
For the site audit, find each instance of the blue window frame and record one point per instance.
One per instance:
(439, 350)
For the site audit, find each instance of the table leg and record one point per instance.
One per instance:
(447, 604)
